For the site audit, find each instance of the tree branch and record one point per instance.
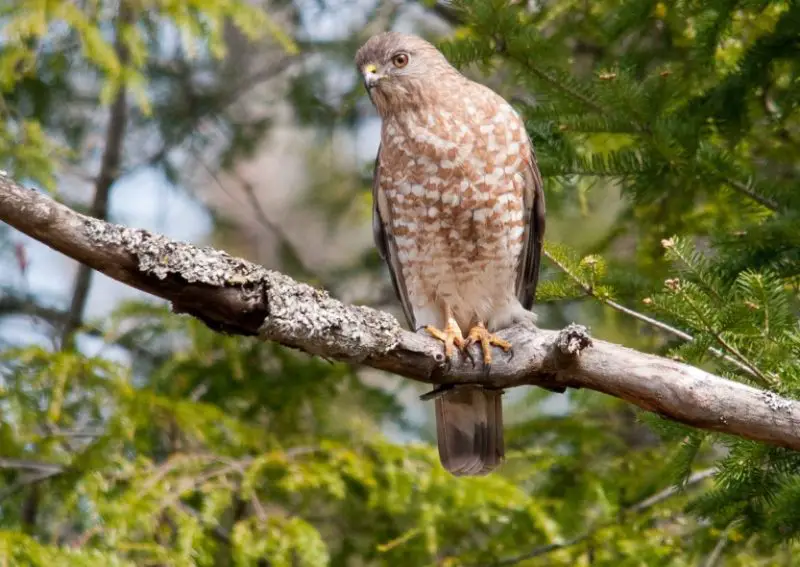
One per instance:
(745, 189)
(671, 491)
(447, 13)
(235, 296)
(590, 291)
(637, 508)
(716, 553)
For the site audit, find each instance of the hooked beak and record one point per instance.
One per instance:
(371, 76)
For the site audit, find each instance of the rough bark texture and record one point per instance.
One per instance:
(236, 296)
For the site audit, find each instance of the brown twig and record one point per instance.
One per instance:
(638, 508)
(716, 553)
(109, 172)
(649, 320)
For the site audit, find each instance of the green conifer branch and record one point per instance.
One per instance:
(591, 292)
(553, 81)
(745, 189)
(677, 248)
(734, 352)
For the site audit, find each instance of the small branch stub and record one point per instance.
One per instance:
(573, 339)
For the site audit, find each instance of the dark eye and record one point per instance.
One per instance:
(400, 60)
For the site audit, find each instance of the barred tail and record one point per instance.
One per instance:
(469, 427)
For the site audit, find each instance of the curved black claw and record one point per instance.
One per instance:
(467, 353)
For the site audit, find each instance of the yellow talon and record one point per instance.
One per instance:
(479, 334)
(451, 337)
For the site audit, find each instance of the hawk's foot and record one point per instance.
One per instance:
(451, 337)
(480, 334)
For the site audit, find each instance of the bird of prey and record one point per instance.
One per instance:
(458, 217)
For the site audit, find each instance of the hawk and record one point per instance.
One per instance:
(458, 217)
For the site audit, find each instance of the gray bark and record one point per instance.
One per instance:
(236, 296)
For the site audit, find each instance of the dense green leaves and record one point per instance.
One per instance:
(44, 40)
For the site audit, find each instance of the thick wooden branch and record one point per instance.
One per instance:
(235, 296)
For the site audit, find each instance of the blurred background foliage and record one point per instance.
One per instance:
(668, 134)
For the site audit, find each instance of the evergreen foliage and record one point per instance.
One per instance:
(702, 139)
(160, 442)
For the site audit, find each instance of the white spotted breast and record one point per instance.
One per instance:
(454, 180)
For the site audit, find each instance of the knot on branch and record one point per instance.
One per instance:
(572, 339)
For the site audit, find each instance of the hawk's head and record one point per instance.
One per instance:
(401, 70)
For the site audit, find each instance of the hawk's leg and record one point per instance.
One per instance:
(480, 334)
(451, 336)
